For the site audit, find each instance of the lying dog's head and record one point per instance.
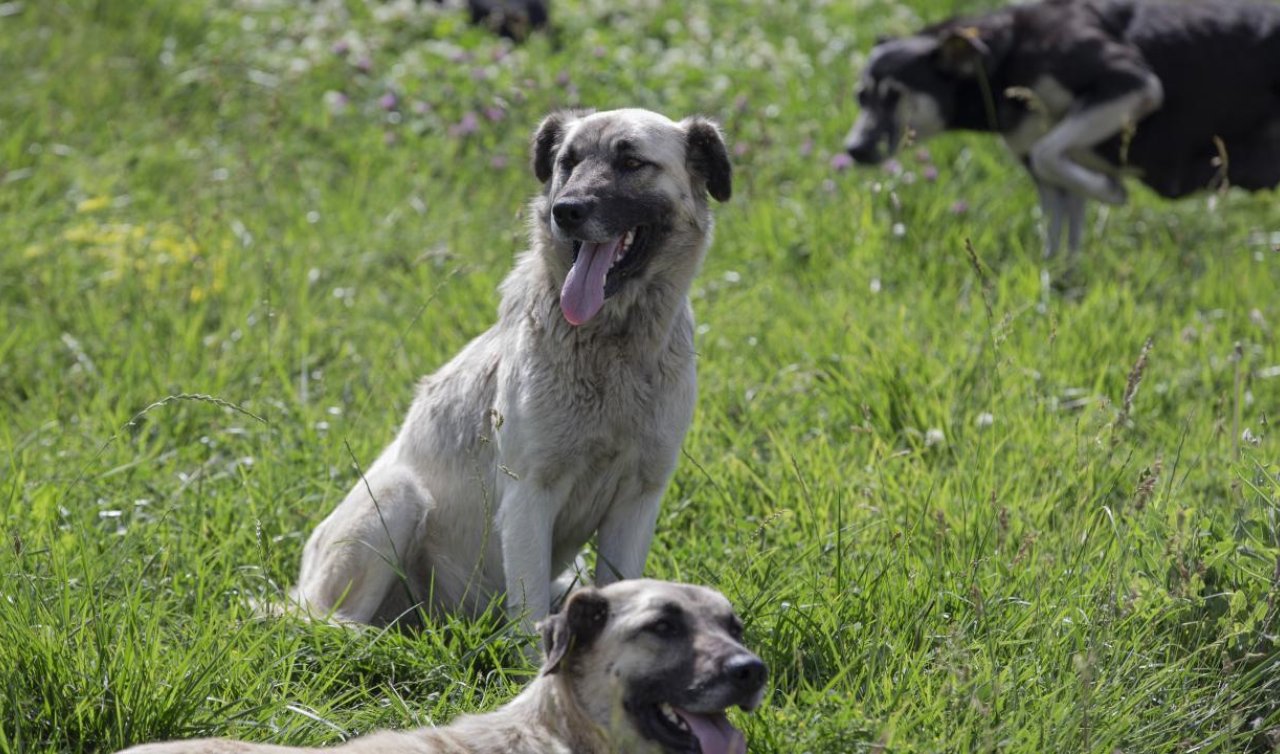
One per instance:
(656, 664)
(922, 85)
(624, 202)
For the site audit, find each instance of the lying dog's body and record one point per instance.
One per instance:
(565, 419)
(1185, 95)
(644, 667)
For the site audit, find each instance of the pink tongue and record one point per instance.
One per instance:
(715, 734)
(583, 293)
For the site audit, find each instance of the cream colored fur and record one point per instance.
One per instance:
(538, 435)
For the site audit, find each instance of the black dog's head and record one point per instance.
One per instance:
(625, 201)
(657, 664)
(513, 19)
(917, 85)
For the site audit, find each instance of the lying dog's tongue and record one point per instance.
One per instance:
(583, 293)
(714, 732)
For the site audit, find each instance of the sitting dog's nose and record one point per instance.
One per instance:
(571, 213)
(747, 672)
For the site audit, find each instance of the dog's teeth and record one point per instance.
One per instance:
(672, 717)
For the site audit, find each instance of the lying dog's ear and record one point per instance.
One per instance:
(574, 627)
(546, 140)
(707, 158)
(968, 50)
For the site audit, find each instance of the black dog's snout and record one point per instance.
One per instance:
(747, 672)
(864, 152)
(571, 213)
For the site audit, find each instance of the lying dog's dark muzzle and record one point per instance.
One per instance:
(746, 674)
(692, 719)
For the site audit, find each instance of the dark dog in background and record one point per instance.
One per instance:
(513, 19)
(1184, 95)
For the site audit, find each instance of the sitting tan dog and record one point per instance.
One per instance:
(563, 422)
(640, 666)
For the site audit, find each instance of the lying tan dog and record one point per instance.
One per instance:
(640, 666)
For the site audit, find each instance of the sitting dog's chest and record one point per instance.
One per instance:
(603, 424)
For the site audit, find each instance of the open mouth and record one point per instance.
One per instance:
(679, 730)
(599, 270)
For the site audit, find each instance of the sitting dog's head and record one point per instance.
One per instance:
(922, 85)
(624, 202)
(656, 664)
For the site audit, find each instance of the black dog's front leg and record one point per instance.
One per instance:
(1061, 209)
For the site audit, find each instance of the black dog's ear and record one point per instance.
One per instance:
(964, 51)
(546, 140)
(706, 157)
(574, 627)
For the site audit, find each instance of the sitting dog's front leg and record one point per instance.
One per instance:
(525, 531)
(624, 537)
(1087, 126)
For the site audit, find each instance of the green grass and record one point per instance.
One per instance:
(217, 288)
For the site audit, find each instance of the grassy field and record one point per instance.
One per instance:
(958, 512)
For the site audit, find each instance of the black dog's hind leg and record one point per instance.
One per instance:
(1254, 164)
(1060, 208)
(1118, 103)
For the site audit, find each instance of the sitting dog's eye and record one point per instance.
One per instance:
(663, 628)
(735, 630)
(631, 163)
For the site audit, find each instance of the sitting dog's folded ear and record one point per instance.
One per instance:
(548, 138)
(707, 157)
(574, 627)
(546, 141)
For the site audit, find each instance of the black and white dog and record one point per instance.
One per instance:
(1185, 95)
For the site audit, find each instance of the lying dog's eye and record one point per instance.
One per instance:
(632, 163)
(735, 630)
(663, 628)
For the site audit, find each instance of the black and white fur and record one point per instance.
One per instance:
(1184, 95)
